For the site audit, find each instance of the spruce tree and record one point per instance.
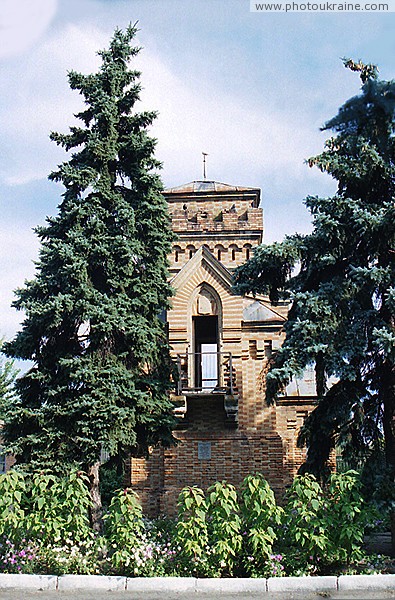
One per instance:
(8, 374)
(340, 280)
(101, 367)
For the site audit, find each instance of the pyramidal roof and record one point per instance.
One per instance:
(207, 186)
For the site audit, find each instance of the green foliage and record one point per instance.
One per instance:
(261, 518)
(224, 526)
(305, 532)
(347, 516)
(123, 526)
(8, 374)
(324, 528)
(191, 528)
(110, 481)
(44, 507)
(59, 508)
(13, 504)
(45, 529)
(340, 280)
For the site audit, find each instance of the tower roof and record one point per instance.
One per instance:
(195, 187)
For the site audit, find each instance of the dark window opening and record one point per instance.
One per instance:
(206, 352)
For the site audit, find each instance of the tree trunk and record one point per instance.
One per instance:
(96, 513)
(388, 389)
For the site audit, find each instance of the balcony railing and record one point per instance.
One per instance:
(206, 372)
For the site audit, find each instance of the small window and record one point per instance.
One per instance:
(268, 348)
(233, 254)
(219, 253)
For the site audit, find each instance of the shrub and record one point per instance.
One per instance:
(14, 506)
(261, 518)
(305, 535)
(347, 517)
(224, 527)
(44, 527)
(191, 531)
(59, 509)
(124, 527)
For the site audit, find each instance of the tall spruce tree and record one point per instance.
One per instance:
(342, 316)
(92, 329)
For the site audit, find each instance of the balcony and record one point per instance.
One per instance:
(206, 374)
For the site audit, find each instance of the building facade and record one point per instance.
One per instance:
(222, 343)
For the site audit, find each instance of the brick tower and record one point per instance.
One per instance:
(221, 343)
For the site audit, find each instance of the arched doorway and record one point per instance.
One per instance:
(206, 328)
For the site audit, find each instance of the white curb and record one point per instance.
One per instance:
(36, 582)
(161, 584)
(231, 586)
(96, 582)
(367, 582)
(301, 584)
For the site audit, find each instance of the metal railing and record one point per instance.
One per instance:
(206, 372)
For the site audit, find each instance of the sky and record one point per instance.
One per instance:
(250, 89)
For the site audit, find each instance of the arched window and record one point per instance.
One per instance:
(177, 252)
(191, 251)
(220, 251)
(247, 251)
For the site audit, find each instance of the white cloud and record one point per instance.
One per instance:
(242, 140)
(37, 100)
(22, 23)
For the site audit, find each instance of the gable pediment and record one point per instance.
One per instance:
(203, 259)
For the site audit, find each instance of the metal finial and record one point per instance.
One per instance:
(204, 164)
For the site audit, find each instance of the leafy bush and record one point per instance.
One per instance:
(192, 532)
(305, 535)
(324, 529)
(124, 526)
(224, 527)
(347, 517)
(14, 506)
(261, 518)
(59, 508)
(44, 527)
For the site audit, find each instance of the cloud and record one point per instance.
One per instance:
(242, 140)
(36, 99)
(22, 23)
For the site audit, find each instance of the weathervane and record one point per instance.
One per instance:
(204, 164)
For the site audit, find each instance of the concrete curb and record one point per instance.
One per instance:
(192, 585)
(302, 584)
(366, 582)
(161, 584)
(231, 586)
(33, 582)
(97, 582)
